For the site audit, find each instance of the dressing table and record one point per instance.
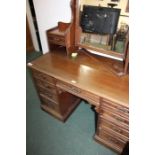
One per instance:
(63, 81)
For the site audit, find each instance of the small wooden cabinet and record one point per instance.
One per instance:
(55, 101)
(62, 35)
(57, 36)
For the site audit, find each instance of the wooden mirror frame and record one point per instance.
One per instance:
(78, 32)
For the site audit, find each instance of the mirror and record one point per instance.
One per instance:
(102, 27)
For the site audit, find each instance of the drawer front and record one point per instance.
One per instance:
(115, 119)
(93, 99)
(112, 141)
(60, 40)
(103, 124)
(115, 108)
(44, 77)
(51, 95)
(45, 85)
(49, 104)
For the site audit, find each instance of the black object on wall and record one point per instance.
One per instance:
(100, 20)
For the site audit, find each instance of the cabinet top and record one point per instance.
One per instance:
(86, 74)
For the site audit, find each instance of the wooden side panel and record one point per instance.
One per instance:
(29, 43)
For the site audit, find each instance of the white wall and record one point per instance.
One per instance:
(48, 13)
(31, 26)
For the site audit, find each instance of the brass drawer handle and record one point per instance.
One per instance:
(113, 140)
(116, 129)
(47, 94)
(47, 86)
(70, 88)
(121, 120)
(100, 128)
(50, 95)
(75, 90)
(123, 110)
(118, 119)
(42, 76)
(56, 39)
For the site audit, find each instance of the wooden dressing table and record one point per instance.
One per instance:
(62, 81)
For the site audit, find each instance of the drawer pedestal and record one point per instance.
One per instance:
(54, 101)
(112, 125)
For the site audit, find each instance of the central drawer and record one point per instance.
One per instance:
(92, 98)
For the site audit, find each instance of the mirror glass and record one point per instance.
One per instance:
(103, 26)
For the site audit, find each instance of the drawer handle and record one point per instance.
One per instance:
(50, 95)
(100, 127)
(47, 86)
(113, 140)
(56, 39)
(48, 104)
(117, 130)
(47, 94)
(123, 110)
(43, 77)
(118, 119)
(71, 88)
(75, 90)
(60, 91)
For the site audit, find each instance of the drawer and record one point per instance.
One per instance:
(45, 85)
(112, 140)
(42, 76)
(103, 124)
(51, 95)
(49, 104)
(117, 120)
(60, 40)
(92, 98)
(115, 108)
(116, 117)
